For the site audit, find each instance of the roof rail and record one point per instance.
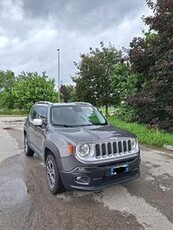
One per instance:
(82, 103)
(43, 102)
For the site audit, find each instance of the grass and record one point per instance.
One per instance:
(12, 112)
(145, 135)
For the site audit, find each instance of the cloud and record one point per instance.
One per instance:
(31, 31)
(86, 16)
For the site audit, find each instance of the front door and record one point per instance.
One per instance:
(37, 133)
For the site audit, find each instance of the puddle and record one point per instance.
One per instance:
(119, 199)
(12, 192)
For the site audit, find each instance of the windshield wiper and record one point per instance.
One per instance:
(100, 123)
(85, 125)
(92, 124)
(63, 125)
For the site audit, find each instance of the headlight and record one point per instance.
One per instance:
(84, 150)
(134, 143)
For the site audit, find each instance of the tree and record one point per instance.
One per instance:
(152, 57)
(7, 82)
(94, 77)
(124, 80)
(68, 93)
(31, 87)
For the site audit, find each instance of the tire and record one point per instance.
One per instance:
(52, 174)
(27, 150)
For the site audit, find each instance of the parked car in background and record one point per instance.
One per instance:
(80, 149)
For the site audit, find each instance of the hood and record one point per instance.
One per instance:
(89, 134)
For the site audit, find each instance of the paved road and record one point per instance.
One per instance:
(26, 203)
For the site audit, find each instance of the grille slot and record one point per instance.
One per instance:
(113, 148)
(129, 146)
(120, 147)
(104, 152)
(109, 148)
(125, 146)
(97, 147)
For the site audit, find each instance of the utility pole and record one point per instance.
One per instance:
(59, 79)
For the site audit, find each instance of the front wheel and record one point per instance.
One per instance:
(53, 177)
(27, 150)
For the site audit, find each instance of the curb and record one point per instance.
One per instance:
(169, 147)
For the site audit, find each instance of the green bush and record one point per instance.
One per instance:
(125, 112)
(151, 137)
(14, 112)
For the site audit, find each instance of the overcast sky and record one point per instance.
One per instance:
(32, 30)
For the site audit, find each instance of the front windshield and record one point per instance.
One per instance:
(76, 116)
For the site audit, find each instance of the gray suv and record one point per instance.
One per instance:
(79, 148)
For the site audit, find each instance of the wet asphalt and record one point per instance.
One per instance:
(26, 203)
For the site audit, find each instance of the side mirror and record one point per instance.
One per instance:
(37, 122)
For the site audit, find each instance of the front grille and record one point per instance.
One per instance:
(116, 148)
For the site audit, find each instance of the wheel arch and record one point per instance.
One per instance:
(50, 148)
(47, 151)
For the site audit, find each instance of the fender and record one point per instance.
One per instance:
(53, 148)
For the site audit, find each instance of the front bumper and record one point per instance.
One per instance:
(99, 177)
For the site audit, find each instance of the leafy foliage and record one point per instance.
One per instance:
(94, 77)
(31, 87)
(68, 93)
(7, 81)
(124, 81)
(126, 112)
(152, 57)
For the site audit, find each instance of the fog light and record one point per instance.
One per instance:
(82, 180)
(80, 169)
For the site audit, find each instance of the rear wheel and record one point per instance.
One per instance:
(53, 177)
(27, 150)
